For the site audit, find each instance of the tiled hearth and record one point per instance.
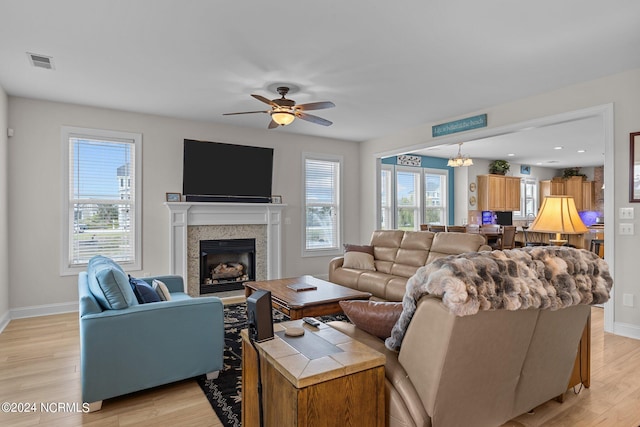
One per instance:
(194, 221)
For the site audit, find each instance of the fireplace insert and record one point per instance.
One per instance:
(225, 264)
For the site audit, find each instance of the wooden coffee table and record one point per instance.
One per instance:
(298, 304)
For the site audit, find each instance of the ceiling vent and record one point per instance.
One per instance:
(41, 61)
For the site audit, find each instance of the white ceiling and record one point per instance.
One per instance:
(387, 66)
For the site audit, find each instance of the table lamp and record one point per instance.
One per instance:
(559, 215)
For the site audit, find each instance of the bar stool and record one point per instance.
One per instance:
(595, 246)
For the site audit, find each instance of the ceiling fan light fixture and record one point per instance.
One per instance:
(460, 160)
(282, 116)
(284, 111)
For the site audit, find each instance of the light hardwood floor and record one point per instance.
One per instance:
(39, 362)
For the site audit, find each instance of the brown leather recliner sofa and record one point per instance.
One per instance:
(486, 337)
(479, 370)
(397, 255)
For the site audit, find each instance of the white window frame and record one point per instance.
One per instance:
(444, 208)
(393, 169)
(66, 269)
(391, 190)
(521, 215)
(418, 207)
(337, 249)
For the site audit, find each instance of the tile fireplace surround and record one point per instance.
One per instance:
(191, 222)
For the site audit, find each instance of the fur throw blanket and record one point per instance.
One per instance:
(546, 277)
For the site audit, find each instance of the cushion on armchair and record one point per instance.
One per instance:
(143, 291)
(161, 289)
(374, 317)
(109, 284)
(359, 257)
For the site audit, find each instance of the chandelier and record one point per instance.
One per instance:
(459, 159)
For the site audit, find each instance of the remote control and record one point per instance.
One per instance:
(311, 321)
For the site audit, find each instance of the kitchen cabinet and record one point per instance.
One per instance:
(551, 187)
(498, 193)
(583, 192)
(588, 196)
(573, 188)
(512, 195)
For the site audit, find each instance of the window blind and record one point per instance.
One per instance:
(321, 204)
(101, 199)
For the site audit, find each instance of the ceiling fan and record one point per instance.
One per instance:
(284, 111)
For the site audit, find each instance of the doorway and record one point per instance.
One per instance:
(603, 115)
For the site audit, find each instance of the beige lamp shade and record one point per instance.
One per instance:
(559, 215)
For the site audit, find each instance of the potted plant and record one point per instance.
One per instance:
(499, 167)
(569, 172)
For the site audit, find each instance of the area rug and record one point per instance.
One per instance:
(224, 393)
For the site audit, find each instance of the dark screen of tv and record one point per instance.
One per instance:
(218, 172)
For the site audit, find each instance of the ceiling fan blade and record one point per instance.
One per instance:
(244, 112)
(314, 119)
(265, 100)
(272, 125)
(315, 106)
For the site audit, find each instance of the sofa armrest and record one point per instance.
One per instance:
(336, 263)
(485, 248)
(87, 302)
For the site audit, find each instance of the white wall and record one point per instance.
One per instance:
(621, 90)
(35, 189)
(4, 241)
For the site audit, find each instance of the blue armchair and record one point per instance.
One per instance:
(126, 346)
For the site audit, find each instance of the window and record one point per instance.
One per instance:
(408, 198)
(321, 232)
(386, 197)
(435, 197)
(528, 199)
(101, 213)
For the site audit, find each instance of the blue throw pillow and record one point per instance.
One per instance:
(143, 291)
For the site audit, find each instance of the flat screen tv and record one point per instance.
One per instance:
(217, 172)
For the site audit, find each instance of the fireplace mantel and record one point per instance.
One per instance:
(185, 214)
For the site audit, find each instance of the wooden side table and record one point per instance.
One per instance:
(344, 387)
(582, 367)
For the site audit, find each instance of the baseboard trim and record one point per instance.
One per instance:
(626, 330)
(43, 310)
(4, 320)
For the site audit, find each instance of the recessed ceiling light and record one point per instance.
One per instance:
(559, 147)
(539, 163)
(510, 155)
(582, 151)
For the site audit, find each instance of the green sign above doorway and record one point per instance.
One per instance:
(461, 125)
